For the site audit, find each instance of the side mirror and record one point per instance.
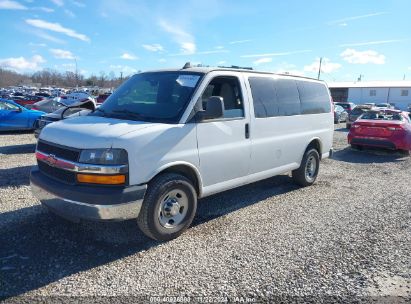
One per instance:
(214, 108)
(18, 110)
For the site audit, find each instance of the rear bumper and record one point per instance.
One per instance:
(87, 202)
(373, 143)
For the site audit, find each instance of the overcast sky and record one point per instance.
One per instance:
(367, 37)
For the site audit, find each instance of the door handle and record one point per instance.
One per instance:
(247, 130)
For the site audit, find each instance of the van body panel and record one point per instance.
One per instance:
(160, 146)
(99, 131)
(282, 140)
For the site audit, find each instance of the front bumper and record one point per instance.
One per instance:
(87, 202)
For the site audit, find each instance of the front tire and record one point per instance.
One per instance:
(168, 208)
(307, 173)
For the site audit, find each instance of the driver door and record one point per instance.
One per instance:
(224, 145)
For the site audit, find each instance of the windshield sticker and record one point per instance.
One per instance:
(188, 80)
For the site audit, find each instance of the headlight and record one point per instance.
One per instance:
(104, 157)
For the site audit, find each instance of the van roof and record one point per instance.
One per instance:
(206, 70)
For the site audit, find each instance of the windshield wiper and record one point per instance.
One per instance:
(131, 114)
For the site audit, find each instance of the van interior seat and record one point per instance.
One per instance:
(227, 93)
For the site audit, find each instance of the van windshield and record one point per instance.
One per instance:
(153, 97)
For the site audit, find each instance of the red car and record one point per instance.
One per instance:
(382, 128)
(27, 100)
(102, 97)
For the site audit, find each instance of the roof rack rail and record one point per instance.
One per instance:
(236, 67)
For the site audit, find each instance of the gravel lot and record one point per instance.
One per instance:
(346, 237)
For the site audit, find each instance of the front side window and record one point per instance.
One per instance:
(229, 89)
(8, 106)
(155, 97)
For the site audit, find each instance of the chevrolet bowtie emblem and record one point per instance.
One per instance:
(51, 160)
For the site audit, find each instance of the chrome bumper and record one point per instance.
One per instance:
(75, 210)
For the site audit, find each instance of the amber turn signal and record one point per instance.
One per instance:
(101, 179)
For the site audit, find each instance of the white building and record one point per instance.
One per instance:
(397, 93)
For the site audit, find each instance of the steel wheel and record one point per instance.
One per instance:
(173, 208)
(311, 168)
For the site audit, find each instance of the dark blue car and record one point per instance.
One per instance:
(16, 117)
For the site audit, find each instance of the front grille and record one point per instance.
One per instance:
(64, 176)
(59, 151)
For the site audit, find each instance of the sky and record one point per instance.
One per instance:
(371, 38)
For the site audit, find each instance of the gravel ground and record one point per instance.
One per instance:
(345, 238)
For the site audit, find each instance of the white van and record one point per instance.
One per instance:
(165, 138)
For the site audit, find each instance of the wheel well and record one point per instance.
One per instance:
(187, 172)
(315, 143)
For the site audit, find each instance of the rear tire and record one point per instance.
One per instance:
(169, 207)
(307, 173)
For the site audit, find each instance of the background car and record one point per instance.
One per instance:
(383, 106)
(26, 100)
(389, 129)
(102, 98)
(79, 108)
(348, 106)
(16, 117)
(48, 105)
(357, 112)
(339, 114)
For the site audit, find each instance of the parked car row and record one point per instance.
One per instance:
(353, 111)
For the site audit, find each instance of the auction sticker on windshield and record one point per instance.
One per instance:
(188, 80)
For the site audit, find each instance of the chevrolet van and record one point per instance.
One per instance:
(166, 138)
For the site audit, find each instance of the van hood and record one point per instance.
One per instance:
(85, 132)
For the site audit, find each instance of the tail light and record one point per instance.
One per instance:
(395, 128)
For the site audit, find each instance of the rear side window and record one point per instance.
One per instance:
(274, 97)
(287, 97)
(314, 97)
(264, 97)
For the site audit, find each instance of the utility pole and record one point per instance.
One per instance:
(121, 76)
(319, 68)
